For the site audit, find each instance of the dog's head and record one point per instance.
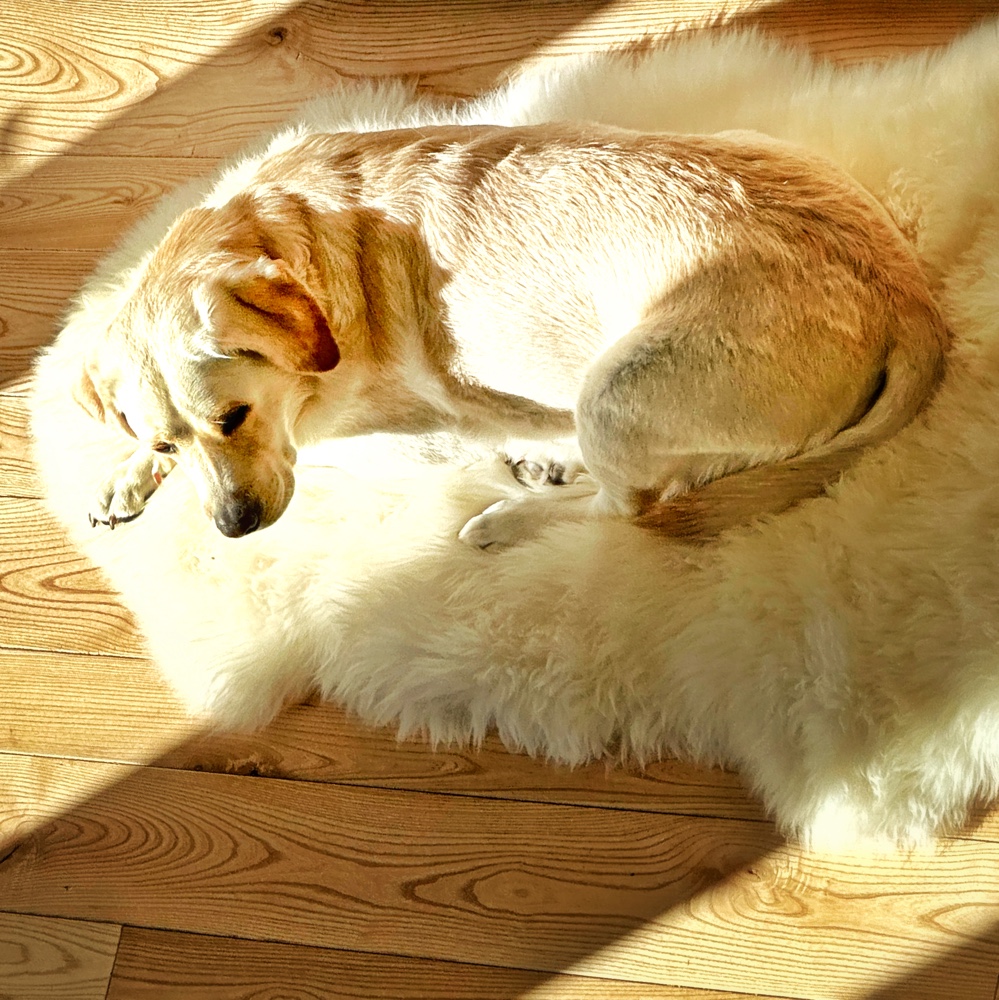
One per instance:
(215, 351)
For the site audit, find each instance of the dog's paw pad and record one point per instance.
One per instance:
(535, 471)
(527, 472)
(534, 474)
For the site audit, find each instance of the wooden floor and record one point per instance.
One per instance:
(320, 859)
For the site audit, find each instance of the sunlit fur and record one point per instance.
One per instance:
(843, 655)
(687, 306)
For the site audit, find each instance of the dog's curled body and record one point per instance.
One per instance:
(688, 306)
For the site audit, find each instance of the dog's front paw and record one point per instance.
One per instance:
(126, 491)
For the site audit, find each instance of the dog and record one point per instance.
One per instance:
(686, 330)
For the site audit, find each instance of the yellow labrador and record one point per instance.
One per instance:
(711, 325)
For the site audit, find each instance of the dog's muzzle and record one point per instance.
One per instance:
(239, 517)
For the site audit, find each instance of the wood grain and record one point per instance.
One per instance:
(17, 474)
(51, 597)
(158, 965)
(35, 288)
(42, 958)
(115, 708)
(17, 388)
(323, 743)
(77, 73)
(204, 81)
(614, 894)
(87, 203)
(849, 31)
(430, 865)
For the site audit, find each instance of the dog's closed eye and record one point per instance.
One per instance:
(234, 419)
(165, 448)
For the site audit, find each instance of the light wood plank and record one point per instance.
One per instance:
(17, 475)
(621, 895)
(51, 597)
(117, 709)
(848, 31)
(17, 388)
(35, 289)
(158, 965)
(114, 708)
(323, 743)
(42, 958)
(206, 79)
(87, 202)
(79, 72)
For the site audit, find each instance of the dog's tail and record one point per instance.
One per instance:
(913, 370)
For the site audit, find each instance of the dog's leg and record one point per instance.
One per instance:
(683, 401)
(132, 483)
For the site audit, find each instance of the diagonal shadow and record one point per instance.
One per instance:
(475, 873)
(945, 978)
(353, 862)
(83, 855)
(184, 118)
(299, 834)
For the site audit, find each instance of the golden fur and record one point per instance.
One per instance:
(720, 321)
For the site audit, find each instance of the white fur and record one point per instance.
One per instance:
(844, 656)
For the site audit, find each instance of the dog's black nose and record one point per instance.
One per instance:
(239, 518)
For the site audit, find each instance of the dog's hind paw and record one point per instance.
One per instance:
(126, 491)
(500, 525)
(508, 522)
(556, 465)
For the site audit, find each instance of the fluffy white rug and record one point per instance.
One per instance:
(844, 656)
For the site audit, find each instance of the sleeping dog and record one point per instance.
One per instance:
(712, 327)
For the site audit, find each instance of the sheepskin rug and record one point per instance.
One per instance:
(844, 656)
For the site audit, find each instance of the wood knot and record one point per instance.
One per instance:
(277, 35)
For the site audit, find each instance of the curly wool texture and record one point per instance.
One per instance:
(843, 656)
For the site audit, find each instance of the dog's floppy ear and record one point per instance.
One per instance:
(260, 306)
(86, 395)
